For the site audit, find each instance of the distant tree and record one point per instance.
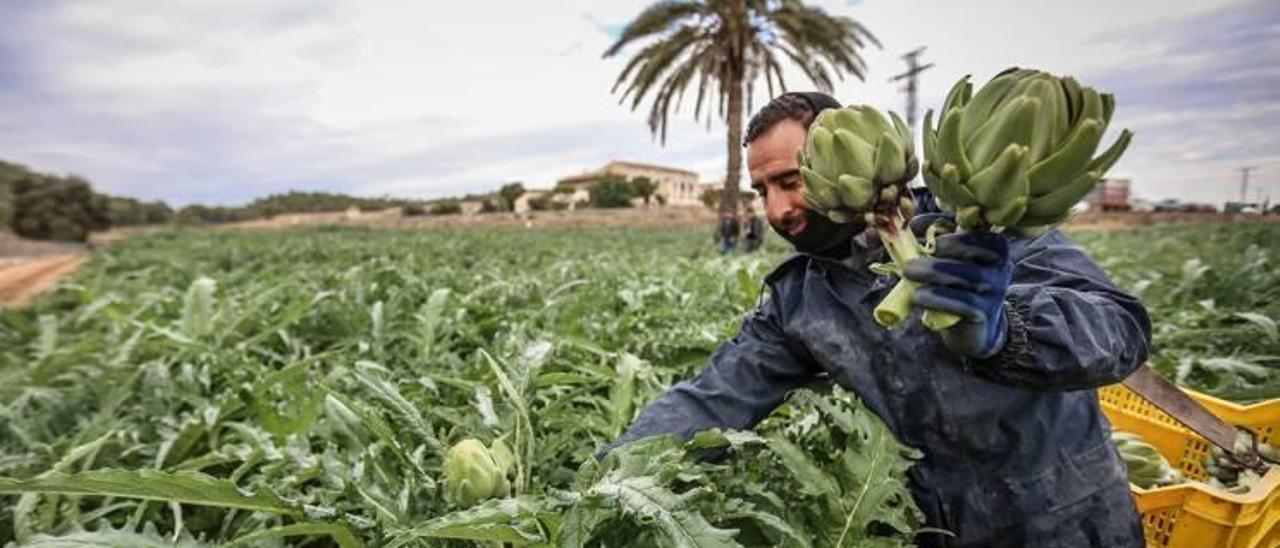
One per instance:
(446, 207)
(131, 212)
(511, 192)
(157, 212)
(611, 192)
(710, 197)
(722, 48)
(490, 205)
(413, 210)
(51, 208)
(541, 202)
(6, 203)
(643, 187)
(197, 214)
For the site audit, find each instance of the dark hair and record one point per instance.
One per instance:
(801, 107)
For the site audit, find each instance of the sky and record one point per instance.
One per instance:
(222, 101)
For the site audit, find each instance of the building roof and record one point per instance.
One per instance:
(595, 175)
(640, 165)
(588, 177)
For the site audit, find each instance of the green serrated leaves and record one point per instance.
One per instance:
(184, 487)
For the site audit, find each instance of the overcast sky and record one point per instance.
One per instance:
(224, 100)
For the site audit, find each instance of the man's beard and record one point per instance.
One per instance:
(823, 237)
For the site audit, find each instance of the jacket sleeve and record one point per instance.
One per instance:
(743, 381)
(1070, 327)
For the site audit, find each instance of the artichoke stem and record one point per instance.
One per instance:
(903, 247)
(896, 305)
(938, 320)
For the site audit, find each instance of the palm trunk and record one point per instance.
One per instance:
(733, 172)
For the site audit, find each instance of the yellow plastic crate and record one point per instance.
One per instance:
(1192, 514)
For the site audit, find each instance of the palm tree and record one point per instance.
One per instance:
(726, 46)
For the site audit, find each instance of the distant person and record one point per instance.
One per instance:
(727, 231)
(755, 231)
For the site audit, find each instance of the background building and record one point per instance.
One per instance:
(676, 186)
(1109, 195)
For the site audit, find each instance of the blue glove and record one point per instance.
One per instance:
(922, 221)
(968, 275)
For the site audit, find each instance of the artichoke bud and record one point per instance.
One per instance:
(472, 475)
(504, 457)
(1059, 122)
(848, 149)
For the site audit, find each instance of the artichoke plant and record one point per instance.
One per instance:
(856, 164)
(474, 473)
(1019, 153)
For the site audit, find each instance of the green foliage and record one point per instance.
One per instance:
(132, 212)
(1213, 291)
(723, 48)
(305, 387)
(643, 187)
(544, 202)
(197, 214)
(316, 202)
(6, 205)
(263, 387)
(52, 208)
(287, 203)
(711, 197)
(701, 41)
(612, 192)
(509, 193)
(446, 207)
(333, 368)
(657, 491)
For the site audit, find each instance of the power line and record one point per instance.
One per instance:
(914, 68)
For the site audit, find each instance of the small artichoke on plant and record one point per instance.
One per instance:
(474, 473)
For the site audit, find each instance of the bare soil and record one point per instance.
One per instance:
(19, 281)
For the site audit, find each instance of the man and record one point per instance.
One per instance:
(1016, 449)
(726, 235)
(755, 231)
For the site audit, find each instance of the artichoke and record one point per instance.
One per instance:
(473, 474)
(1145, 466)
(856, 161)
(856, 164)
(1019, 152)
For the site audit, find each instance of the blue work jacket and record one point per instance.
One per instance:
(1016, 449)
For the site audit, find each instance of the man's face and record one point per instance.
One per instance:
(775, 176)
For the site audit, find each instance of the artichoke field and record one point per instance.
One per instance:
(211, 389)
(267, 389)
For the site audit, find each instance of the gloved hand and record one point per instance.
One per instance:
(922, 221)
(968, 275)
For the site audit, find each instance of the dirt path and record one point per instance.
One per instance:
(21, 281)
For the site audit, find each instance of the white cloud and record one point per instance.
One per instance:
(223, 101)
